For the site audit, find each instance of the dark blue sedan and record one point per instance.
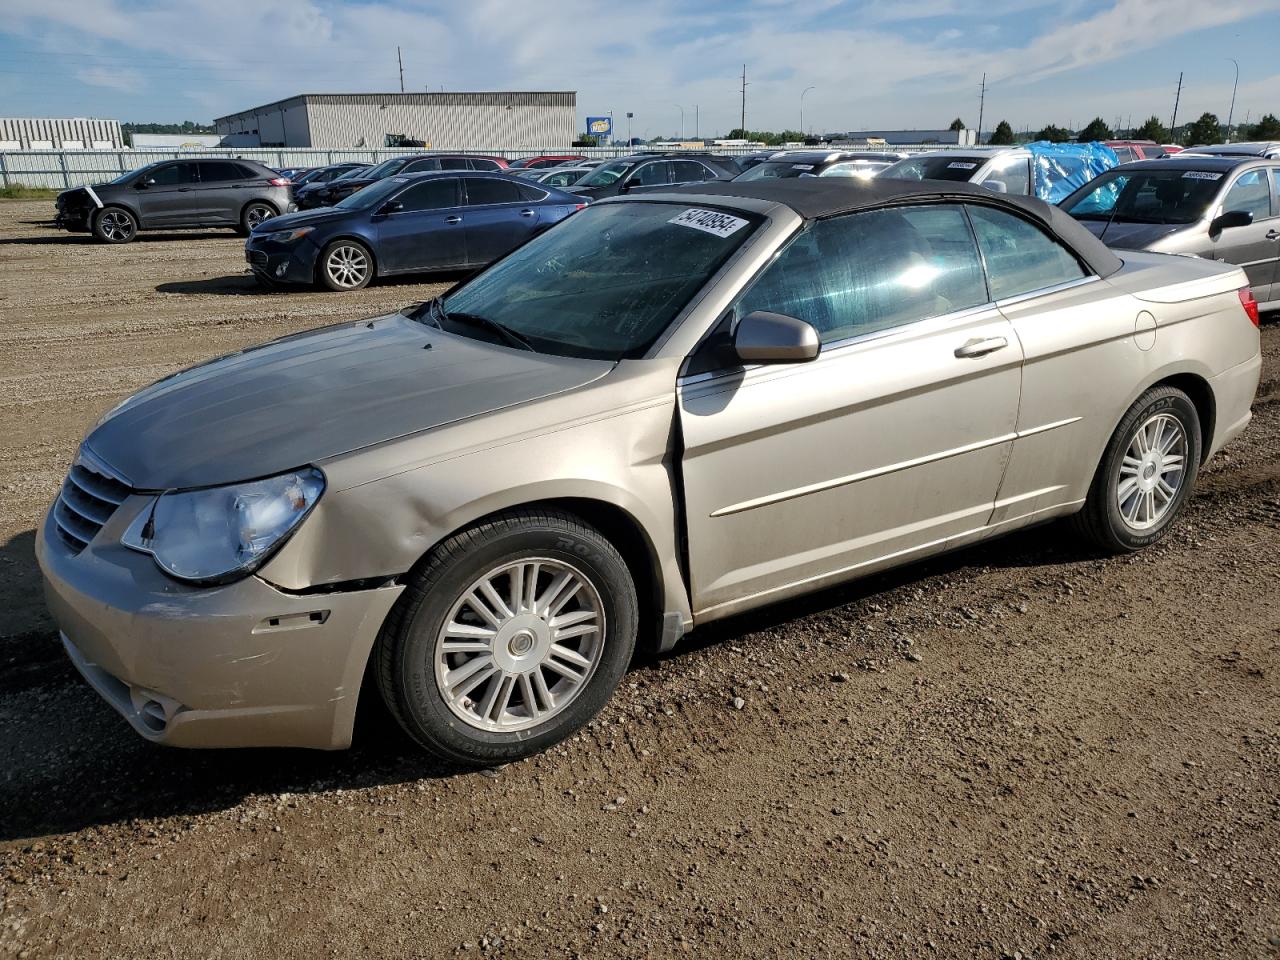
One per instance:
(417, 223)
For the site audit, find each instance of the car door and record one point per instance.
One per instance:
(426, 232)
(166, 196)
(1080, 352)
(498, 219)
(649, 176)
(887, 446)
(1255, 247)
(219, 190)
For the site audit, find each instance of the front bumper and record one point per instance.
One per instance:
(282, 262)
(77, 220)
(239, 665)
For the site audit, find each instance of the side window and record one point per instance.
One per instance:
(1249, 193)
(864, 272)
(482, 163)
(172, 175)
(455, 163)
(650, 174)
(1020, 256)
(481, 190)
(419, 166)
(689, 171)
(219, 171)
(1015, 175)
(1275, 188)
(438, 193)
(529, 193)
(1125, 154)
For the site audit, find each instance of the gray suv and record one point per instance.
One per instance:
(176, 194)
(1217, 207)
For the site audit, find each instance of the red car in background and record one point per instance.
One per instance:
(545, 160)
(1128, 150)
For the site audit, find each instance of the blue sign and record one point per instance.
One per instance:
(600, 126)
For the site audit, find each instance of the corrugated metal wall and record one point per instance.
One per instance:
(38, 133)
(446, 121)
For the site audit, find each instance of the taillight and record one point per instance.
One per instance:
(579, 206)
(280, 181)
(1250, 305)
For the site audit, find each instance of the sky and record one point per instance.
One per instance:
(871, 64)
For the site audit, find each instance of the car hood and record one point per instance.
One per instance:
(315, 395)
(1132, 236)
(302, 218)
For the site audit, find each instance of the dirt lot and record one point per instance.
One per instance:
(1021, 750)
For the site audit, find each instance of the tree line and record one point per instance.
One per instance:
(1207, 129)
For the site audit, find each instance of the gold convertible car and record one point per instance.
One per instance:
(662, 411)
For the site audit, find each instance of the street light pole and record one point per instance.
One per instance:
(802, 93)
(629, 116)
(681, 109)
(1234, 84)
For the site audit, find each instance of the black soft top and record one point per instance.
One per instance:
(816, 198)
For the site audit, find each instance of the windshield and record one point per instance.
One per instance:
(1146, 196)
(373, 194)
(779, 170)
(607, 173)
(855, 168)
(353, 173)
(307, 177)
(934, 168)
(606, 282)
(129, 175)
(386, 168)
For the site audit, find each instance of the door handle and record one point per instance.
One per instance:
(184, 189)
(1273, 234)
(980, 348)
(526, 213)
(452, 219)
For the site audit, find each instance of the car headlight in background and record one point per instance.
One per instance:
(286, 236)
(221, 533)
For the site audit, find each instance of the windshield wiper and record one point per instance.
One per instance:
(475, 320)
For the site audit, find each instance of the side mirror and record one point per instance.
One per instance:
(1232, 218)
(143, 184)
(996, 186)
(391, 206)
(763, 337)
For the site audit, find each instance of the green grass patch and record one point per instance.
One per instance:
(18, 191)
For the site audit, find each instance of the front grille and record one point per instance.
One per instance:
(257, 258)
(87, 501)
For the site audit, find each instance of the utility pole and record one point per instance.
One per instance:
(982, 103)
(681, 109)
(743, 128)
(400, 61)
(1231, 112)
(629, 116)
(696, 126)
(802, 93)
(1173, 123)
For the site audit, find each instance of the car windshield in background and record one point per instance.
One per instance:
(778, 170)
(605, 283)
(133, 173)
(1146, 196)
(307, 177)
(934, 168)
(353, 173)
(372, 195)
(385, 168)
(605, 174)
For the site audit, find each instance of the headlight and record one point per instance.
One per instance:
(286, 236)
(219, 534)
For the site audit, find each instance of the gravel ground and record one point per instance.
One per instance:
(1019, 750)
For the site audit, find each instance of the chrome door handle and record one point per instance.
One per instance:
(452, 219)
(526, 213)
(1273, 234)
(980, 348)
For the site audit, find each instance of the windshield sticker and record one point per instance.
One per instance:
(802, 166)
(709, 221)
(1201, 175)
(399, 179)
(960, 165)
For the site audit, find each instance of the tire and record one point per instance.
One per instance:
(490, 721)
(115, 225)
(1128, 507)
(253, 214)
(356, 274)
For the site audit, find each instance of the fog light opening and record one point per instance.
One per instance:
(280, 270)
(153, 716)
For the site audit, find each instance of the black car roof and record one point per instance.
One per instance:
(1181, 162)
(816, 198)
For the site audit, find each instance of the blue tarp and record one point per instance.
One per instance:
(1061, 167)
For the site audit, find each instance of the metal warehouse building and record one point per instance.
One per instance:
(69, 133)
(441, 121)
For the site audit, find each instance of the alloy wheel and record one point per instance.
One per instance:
(519, 645)
(116, 226)
(347, 265)
(1152, 471)
(257, 214)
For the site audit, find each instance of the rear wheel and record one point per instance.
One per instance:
(512, 636)
(115, 225)
(345, 265)
(254, 214)
(1147, 473)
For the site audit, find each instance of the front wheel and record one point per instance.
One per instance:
(1147, 473)
(115, 225)
(511, 637)
(345, 265)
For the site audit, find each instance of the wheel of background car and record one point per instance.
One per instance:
(511, 636)
(1147, 473)
(115, 225)
(345, 265)
(254, 214)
